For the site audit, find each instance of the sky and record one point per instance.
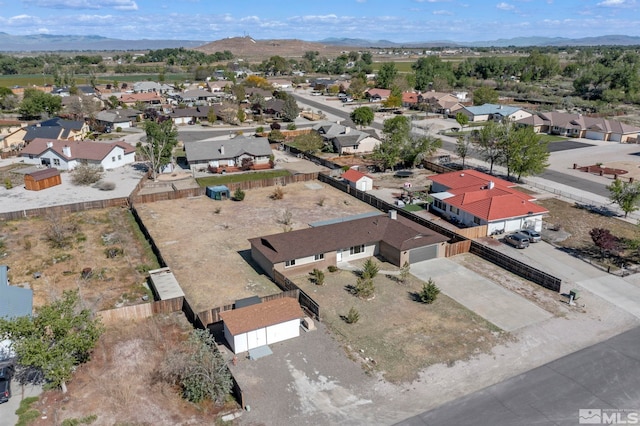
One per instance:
(314, 20)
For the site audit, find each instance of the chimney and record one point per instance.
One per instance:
(66, 150)
(49, 144)
(222, 149)
(393, 214)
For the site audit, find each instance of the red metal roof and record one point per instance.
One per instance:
(353, 175)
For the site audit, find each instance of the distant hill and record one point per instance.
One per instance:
(50, 43)
(248, 47)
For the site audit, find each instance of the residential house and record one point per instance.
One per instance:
(198, 97)
(181, 116)
(67, 155)
(410, 99)
(8, 128)
(114, 118)
(231, 155)
(54, 128)
(395, 238)
(345, 139)
(151, 87)
(148, 100)
(14, 301)
(496, 112)
(440, 102)
(377, 95)
(280, 84)
(358, 180)
(260, 324)
(273, 108)
(580, 126)
(474, 198)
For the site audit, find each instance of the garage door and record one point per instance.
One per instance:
(423, 253)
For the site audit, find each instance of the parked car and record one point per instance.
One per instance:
(5, 383)
(517, 240)
(534, 236)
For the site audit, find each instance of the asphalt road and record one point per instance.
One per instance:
(602, 380)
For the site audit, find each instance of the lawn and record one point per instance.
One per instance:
(397, 335)
(241, 177)
(413, 207)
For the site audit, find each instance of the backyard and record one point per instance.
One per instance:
(397, 335)
(100, 252)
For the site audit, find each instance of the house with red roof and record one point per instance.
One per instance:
(474, 198)
(67, 155)
(358, 180)
(377, 95)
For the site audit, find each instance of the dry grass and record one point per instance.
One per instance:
(208, 249)
(396, 334)
(119, 384)
(114, 281)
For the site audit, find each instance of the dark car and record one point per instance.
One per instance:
(534, 236)
(5, 383)
(517, 240)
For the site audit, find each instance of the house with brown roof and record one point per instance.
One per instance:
(440, 102)
(262, 324)
(377, 95)
(67, 155)
(474, 198)
(581, 126)
(149, 99)
(392, 237)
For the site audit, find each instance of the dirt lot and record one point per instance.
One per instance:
(401, 341)
(205, 241)
(119, 386)
(89, 237)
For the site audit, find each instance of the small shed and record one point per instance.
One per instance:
(262, 324)
(358, 180)
(218, 192)
(42, 179)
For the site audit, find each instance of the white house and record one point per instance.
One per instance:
(67, 155)
(474, 199)
(358, 180)
(495, 112)
(262, 324)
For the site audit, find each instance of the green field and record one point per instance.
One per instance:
(24, 80)
(240, 177)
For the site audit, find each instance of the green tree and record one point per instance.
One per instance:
(198, 368)
(238, 194)
(462, 120)
(290, 109)
(487, 140)
(531, 154)
(357, 87)
(386, 75)
(370, 269)
(485, 95)
(394, 100)
(35, 104)
(362, 116)
(309, 142)
(625, 194)
(51, 343)
(431, 70)
(463, 146)
(388, 152)
(418, 148)
(353, 316)
(429, 292)
(159, 144)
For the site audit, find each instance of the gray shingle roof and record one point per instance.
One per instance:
(227, 149)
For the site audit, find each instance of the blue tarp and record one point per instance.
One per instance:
(218, 192)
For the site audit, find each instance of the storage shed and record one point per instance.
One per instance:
(262, 324)
(219, 192)
(42, 179)
(358, 180)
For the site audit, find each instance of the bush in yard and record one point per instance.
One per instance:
(353, 316)
(317, 276)
(291, 126)
(260, 129)
(238, 194)
(106, 186)
(364, 288)
(404, 272)
(86, 174)
(604, 240)
(8, 184)
(278, 193)
(429, 292)
(332, 268)
(369, 269)
(198, 368)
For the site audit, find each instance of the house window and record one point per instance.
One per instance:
(56, 161)
(113, 159)
(356, 249)
(119, 157)
(318, 256)
(476, 220)
(289, 263)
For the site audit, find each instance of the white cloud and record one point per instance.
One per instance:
(505, 6)
(617, 3)
(442, 12)
(85, 4)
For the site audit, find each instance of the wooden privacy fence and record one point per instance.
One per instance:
(137, 312)
(473, 232)
(170, 194)
(515, 266)
(66, 208)
(453, 249)
(265, 183)
(307, 303)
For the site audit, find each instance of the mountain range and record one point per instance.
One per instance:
(49, 43)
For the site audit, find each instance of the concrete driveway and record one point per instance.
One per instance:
(496, 304)
(8, 409)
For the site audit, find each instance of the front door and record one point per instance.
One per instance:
(339, 256)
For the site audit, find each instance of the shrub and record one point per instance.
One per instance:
(7, 183)
(85, 174)
(238, 194)
(118, 129)
(364, 288)
(278, 193)
(370, 269)
(404, 272)
(291, 126)
(106, 186)
(275, 126)
(317, 276)
(429, 292)
(332, 268)
(353, 316)
(260, 129)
